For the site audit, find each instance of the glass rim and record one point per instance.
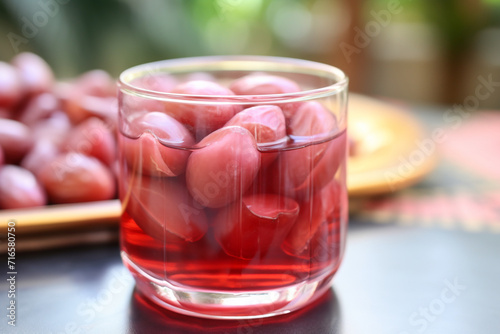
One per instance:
(235, 63)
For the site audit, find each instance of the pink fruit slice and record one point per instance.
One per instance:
(322, 208)
(39, 156)
(325, 169)
(163, 207)
(202, 118)
(325, 246)
(92, 137)
(15, 139)
(54, 129)
(92, 93)
(163, 83)
(36, 74)
(224, 167)
(19, 188)
(38, 108)
(74, 177)
(147, 154)
(312, 119)
(266, 123)
(263, 84)
(294, 169)
(159, 82)
(251, 226)
(11, 88)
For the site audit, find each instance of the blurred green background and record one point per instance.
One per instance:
(424, 51)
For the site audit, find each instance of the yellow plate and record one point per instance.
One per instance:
(386, 155)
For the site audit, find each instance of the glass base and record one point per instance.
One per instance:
(215, 304)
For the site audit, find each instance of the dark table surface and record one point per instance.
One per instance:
(393, 280)
(423, 260)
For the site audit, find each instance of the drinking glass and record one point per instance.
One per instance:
(233, 182)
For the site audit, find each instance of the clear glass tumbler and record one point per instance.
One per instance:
(233, 182)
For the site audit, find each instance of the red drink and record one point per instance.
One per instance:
(204, 263)
(232, 210)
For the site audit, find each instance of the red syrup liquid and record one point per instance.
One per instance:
(280, 231)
